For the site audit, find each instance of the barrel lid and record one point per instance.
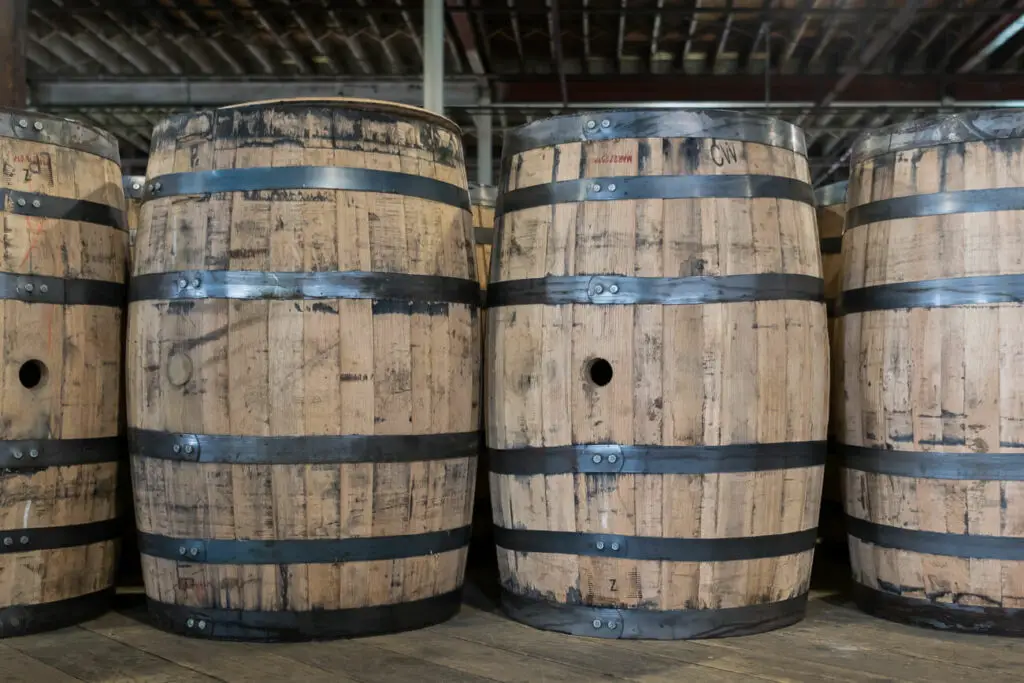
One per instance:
(720, 124)
(829, 195)
(396, 108)
(943, 129)
(49, 129)
(483, 195)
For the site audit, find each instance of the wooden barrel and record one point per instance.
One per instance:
(657, 366)
(133, 190)
(483, 197)
(932, 419)
(831, 213)
(61, 308)
(303, 370)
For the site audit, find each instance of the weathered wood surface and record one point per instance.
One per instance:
(61, 365)
(304, 367)
(936, 379)
(682, 375)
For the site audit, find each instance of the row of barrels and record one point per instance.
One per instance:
(303, 364)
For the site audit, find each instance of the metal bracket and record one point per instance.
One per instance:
(38, 288)
(199, 624)
(192, 550)
(613, 546)
(601, 459)
(40, 453)
(185, 447)
(607, 623)
(45, 289)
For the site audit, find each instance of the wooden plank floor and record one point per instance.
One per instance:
(835, 643)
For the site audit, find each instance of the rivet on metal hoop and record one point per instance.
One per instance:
(591, 125)
(597, 623)
(600, 545)
(38, 125)
(596, 458)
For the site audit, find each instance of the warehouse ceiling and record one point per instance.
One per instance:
(838, 67)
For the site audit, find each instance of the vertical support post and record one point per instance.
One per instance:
(485, 144)
(433, 55)
(13, 38)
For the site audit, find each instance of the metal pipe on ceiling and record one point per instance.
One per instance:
(433, 55)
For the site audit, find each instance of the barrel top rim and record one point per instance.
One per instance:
(940, 129)
(832, 194)
(483, 195)
(72, 133)
(363, 103)
(626, 123)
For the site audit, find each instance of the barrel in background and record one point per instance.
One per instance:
(831, 214)
(932, 421)
(657, 372)
(482, 197)
(61, 305)
(304, 370)
(134, 187)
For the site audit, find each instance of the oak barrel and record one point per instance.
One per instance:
(133, 191)
(303, 370)
(483, 198)
(831, 214)
(657, 372)
(932, 421)
(61, 309)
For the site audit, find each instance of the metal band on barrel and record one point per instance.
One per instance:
(53, 537)
(936, 204)
(957, 291)
(43, 289)
(268, 626)
(616, 459)
(654, 548)
(647, 624)
(655, 187)
(615, 289)
(61, 208)
(830, 195)
(134, 186)
(302, 551)
(936, 543)
(260, 179)
(23, 620)
(293, 450)
(996, 621)
(831, 245)
(483, 235)
(933, 464)
(38, 453)
(944, 129)
(33, 126)
(483, 195)
(668, 123)
(243, 284)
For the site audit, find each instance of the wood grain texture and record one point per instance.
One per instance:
(938, 379)
(78, 352)
(713, 374)
(831, 219)
(483, 219)
(304, 367)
